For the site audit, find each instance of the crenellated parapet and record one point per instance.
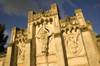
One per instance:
(69, 24)
(42, 14)
(33, 17)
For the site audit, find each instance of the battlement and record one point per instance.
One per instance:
(32, 16)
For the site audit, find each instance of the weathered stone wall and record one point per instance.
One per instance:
(2, 59)
(51, 41)
(75, 50)
(98, 45)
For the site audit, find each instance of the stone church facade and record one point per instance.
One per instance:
(52, 41)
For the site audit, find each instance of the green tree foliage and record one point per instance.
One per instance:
(3, 39)
(98, 36)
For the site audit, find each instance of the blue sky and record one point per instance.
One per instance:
(15, 12)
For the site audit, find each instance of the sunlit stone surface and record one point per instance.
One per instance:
(52, 41)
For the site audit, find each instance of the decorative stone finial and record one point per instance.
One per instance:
(21, 28)
(41, 11)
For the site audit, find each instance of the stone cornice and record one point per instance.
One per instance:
(2, 55)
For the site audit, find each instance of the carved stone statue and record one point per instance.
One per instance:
(45, 40)
(44, 37)
(21, 52)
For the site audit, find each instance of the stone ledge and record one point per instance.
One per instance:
(48, 62)
(77, 56)
(2, 55)
(43, 55)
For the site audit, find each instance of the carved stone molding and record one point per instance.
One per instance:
(84, 28)
(72, 43)
(21, 33)
(74, 23)
(63, 25)
(21, 40)
(43, 20)
(70, 29)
